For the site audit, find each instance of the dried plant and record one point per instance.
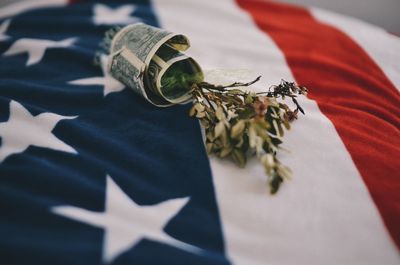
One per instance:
(239, 124)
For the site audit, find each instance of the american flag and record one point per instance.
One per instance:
(91, 173)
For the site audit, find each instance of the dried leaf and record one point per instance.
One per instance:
(201, 114)
(192, 111)
(220, 113)
(239, 158)
(225, 151)
(209, 147)
(268, 161)
(238, 128)
(275, 182)
(252, 136)
(219, 129)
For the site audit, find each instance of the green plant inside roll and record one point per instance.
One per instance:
(179, 78)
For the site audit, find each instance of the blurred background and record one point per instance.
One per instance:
(383, 13)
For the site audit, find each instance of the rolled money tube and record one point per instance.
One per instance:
(150, 61)
(171, 74)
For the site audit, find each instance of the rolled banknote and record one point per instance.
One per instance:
(150, 61)
(171, 74)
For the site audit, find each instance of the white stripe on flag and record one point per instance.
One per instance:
(220, 37)
(380, 45)
(325, 214)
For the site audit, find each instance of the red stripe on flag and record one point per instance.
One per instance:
(350, 89)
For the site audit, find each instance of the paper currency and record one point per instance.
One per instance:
(171, 74)
(150, 61)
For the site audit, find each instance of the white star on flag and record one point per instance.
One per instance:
(3, 28)
(125, 223)
(23, 130)
(36, 48)
(109, 16)
(107, 81)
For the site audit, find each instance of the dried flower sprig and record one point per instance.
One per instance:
(239, 124)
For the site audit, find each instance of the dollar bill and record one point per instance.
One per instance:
(172, 73)
(150, 61)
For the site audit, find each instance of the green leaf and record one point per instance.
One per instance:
(247, 113)
(281, 132)
(249, 99)
(236, 91)
(286, 123)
